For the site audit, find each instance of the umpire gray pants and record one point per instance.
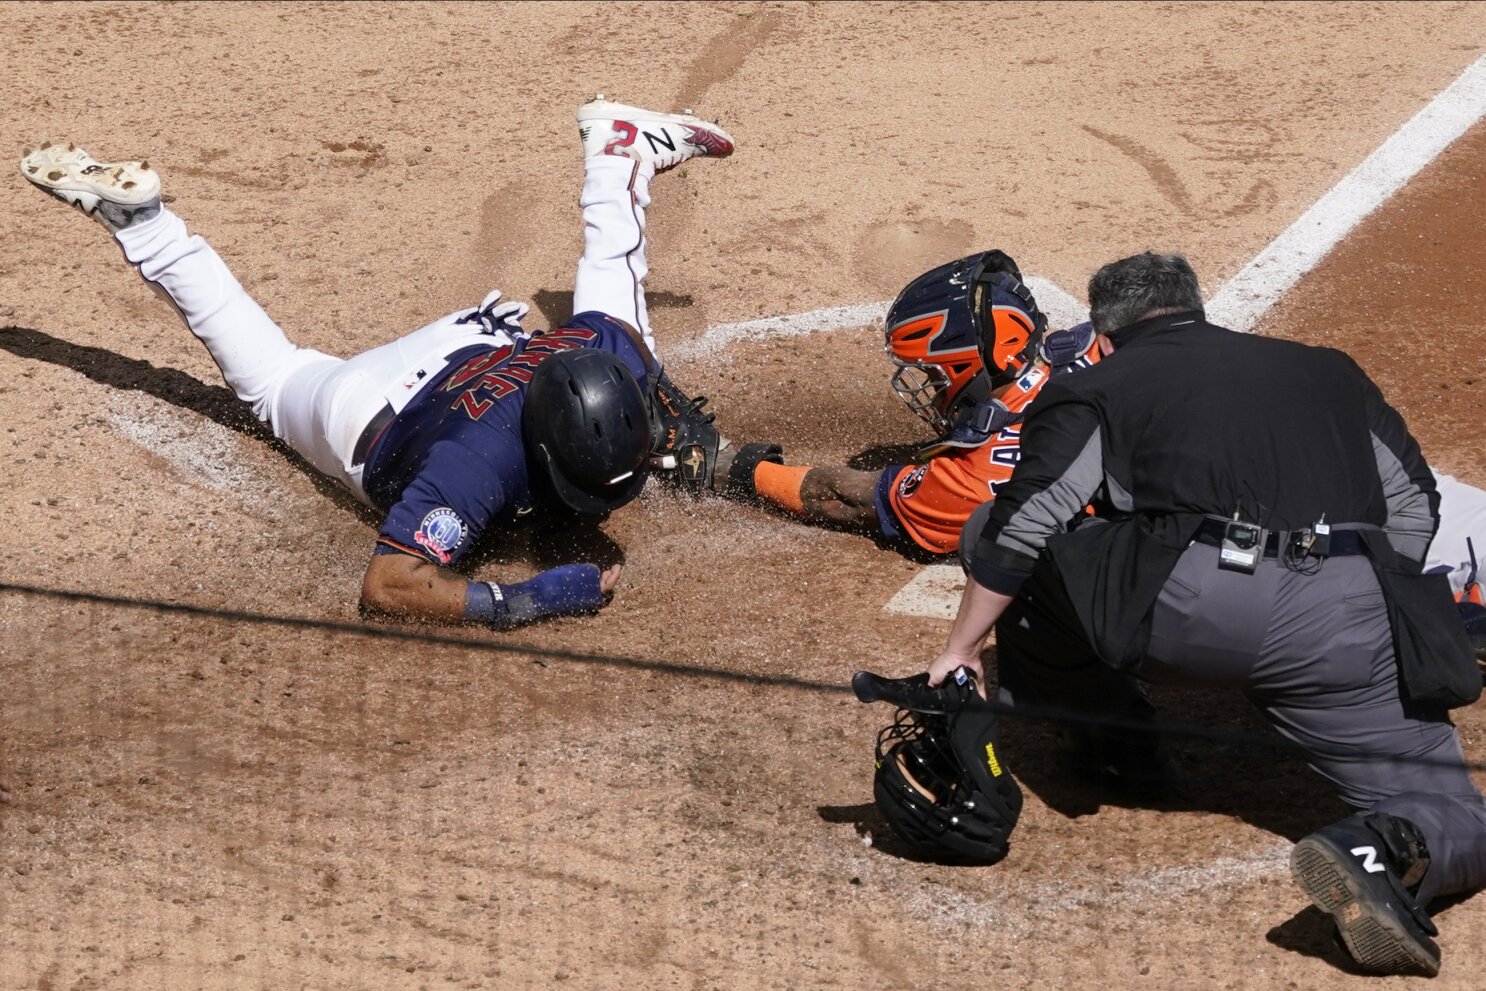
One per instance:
(1313, 652)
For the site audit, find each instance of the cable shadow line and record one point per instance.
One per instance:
(1052, 714)
(439, 639)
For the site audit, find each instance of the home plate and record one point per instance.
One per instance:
(933, 592)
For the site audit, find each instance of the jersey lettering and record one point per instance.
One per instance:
(473, 408)
(476, 365)
(495, 375)
(1007, 456)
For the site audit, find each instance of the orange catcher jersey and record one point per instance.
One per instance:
(929, 503)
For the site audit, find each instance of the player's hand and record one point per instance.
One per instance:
(497, 317)
(723, 469)
(609, 577)
(4, 791)
(946, 663)
(736, 468)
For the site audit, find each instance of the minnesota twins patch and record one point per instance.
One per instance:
(441, 532)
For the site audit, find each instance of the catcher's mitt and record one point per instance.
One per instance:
(684, 438)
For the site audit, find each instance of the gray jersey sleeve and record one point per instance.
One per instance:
(1408, 484)
(1061, 467)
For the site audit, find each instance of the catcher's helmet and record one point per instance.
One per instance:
(952, 322)
(587, 424)
(942, 786)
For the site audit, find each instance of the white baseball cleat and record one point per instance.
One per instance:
(663, 140)
(113, 193)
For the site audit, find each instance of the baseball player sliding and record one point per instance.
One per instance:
(470, 424)
(970, 351)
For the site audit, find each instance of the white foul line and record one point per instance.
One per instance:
(1302, 245)
(1062, 311)
(1020, 908)
(815, 321)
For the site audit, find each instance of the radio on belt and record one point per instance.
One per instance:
(1313, 541)
(1242, 545)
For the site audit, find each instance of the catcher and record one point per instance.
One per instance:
(470, 424)
(971, 350)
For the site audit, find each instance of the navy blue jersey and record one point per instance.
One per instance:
(453, 463)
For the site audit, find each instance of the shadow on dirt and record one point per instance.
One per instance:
(1312, 933)
(553, 539)
(175, 387)
(555, 307)
(879, 457)
(1249, 774)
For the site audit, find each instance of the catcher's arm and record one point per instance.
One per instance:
(826, 494)
(687, 441)
(837, 494)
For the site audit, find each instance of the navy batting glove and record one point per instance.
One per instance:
(561, 591)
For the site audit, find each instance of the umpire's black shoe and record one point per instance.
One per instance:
(1360, 870)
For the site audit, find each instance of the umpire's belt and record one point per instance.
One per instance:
(380, 422)
(1343, 542)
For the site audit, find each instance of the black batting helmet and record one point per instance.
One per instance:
(587, 424)
(942, 786)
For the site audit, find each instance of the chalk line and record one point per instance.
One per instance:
(1301, 246)
(1245, 298)
(723, 335)
(1027, 907)
(203, 452)
(1062, 310)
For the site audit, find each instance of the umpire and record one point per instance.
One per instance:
(1261, 515)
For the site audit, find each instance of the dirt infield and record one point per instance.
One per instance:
(206, 802)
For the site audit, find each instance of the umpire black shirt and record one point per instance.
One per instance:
(1187, 420)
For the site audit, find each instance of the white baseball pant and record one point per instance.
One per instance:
(1462, 518)
(319, 404)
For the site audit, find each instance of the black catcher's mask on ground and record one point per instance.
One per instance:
(587, 424)
(940, 781)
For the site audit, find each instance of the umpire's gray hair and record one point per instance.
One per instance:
(1131, 289)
